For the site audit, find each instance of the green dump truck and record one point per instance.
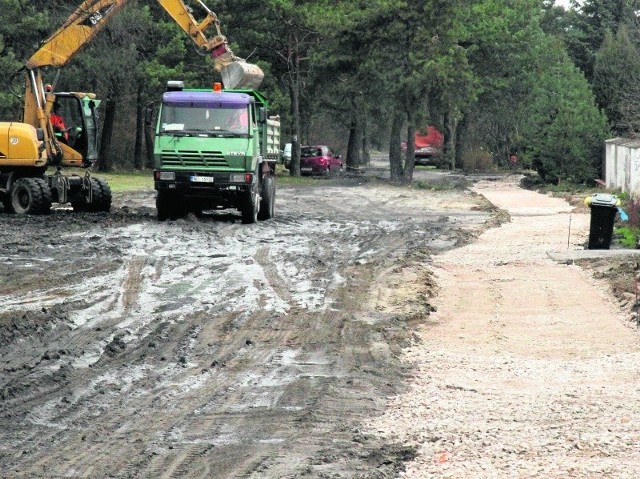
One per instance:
(215, 149)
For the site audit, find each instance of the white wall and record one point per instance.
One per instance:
(622, 165)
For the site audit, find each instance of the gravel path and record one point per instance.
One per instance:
(527, 369)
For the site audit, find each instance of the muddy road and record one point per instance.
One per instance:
(205, 348)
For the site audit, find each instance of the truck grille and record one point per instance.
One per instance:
(193, 158)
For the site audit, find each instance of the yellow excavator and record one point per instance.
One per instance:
(30, 147)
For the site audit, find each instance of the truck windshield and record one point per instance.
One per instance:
(189, 119)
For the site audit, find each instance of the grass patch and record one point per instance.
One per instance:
(120, 180)
(286, 179)
(440, 184)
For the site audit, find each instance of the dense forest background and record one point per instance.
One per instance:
(495, 76)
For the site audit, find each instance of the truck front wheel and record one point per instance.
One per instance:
(170, 205)
(250, 206)
(268, 200)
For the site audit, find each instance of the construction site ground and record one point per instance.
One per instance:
(455, 330)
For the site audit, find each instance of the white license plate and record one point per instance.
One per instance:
(202, 179)
(306, 169)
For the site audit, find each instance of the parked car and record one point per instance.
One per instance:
(319, 160)
(428, 145)
(286, 155)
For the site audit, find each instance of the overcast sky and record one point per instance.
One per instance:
(563, 3)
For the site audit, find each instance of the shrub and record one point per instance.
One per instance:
(477, 159)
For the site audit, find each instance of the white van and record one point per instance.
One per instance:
(286, 155)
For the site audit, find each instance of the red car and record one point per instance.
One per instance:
(319, 160)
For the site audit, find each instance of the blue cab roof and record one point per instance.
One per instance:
(204, 99)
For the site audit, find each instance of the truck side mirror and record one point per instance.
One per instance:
(262, 115)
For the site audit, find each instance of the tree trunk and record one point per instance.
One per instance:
(105, 163)
(395, 148)
(352, 146)
(450, 127)
(461, 133)
(410, 157)
(138, 158)
(148, 142)
(355, 134)
(366, 153)
(294, 92)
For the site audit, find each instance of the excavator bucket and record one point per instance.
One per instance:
(241, 75)
(236, 73)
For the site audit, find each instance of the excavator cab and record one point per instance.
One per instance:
(75, 124)
(80, 123)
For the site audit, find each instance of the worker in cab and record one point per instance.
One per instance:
(57, 122)
(238, 121)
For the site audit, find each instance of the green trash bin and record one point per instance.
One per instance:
(604, 208)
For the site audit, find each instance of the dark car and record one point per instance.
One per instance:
(319, 160)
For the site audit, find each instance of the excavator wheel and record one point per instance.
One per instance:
(100, 201)
(27, 196)
(80, 203)
(101, 195)
(6, 203)
(46, 195)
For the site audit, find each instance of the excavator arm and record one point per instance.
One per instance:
(93, 15)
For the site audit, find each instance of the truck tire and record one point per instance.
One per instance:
(169, 205)
(27, 197)
(163, 205)
(250, 206)
(268, 200)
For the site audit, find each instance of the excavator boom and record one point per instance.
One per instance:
(93, 15)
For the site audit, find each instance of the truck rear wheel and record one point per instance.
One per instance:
(268, 200)
(27, 197)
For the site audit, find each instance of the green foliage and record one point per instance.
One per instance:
(22, 27)
(627, 236)
(590, 24)
(616, 74)
(486, 64)
(565, 132)
(502, 38)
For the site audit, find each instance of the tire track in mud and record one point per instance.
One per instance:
(214, 349)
